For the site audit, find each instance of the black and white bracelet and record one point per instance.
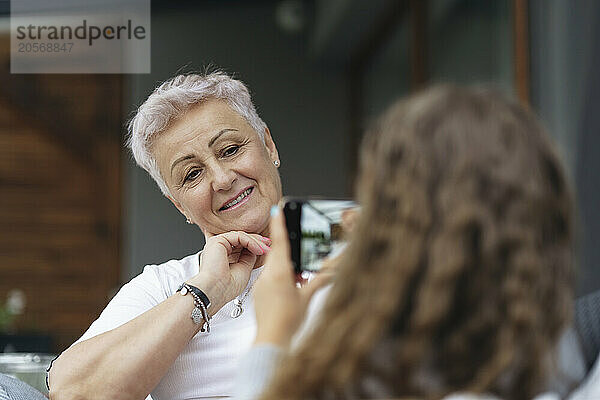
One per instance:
(199, 314)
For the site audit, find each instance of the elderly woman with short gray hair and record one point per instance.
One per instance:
(178, 329)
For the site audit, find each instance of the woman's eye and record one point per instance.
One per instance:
(193, 174)
(230, 151)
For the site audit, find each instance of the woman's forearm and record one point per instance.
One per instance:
(129, 361)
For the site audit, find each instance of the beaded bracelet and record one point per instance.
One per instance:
(201, 304)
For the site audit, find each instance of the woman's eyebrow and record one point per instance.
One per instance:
(180, 159)
(214, 139)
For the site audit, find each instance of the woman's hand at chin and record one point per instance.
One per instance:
(225, 265)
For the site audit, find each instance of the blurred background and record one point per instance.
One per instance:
(78, 218)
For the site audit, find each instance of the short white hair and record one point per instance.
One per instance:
(172, 99)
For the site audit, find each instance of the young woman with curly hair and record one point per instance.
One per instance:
(458, 276)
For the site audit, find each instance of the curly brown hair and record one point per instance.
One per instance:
(461, 258)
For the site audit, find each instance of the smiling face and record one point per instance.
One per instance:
(220, 174)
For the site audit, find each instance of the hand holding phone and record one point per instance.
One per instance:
(317, 229)
(279, 303)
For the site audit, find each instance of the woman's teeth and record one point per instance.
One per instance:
(237, 199)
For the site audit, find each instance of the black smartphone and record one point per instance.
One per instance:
(317, 229)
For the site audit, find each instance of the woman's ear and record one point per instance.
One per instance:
(188, 220)
(270, 145)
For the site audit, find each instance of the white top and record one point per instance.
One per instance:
(208, 364)
(590, 387)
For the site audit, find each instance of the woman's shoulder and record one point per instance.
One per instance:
(186, 265)
(172, 273)
(590, 387)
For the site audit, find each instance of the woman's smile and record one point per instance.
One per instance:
(238, 200)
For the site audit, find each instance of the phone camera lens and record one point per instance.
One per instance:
(292, 206)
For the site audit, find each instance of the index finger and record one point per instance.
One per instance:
(233, 239)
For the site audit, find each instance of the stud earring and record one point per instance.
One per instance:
(276, 163)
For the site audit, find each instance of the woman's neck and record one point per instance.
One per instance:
(265, 232)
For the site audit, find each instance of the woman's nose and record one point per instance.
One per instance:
(223, 178)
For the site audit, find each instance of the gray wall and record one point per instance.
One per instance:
(562, 40)
(468, 42)
(565, 90)
(302, 103)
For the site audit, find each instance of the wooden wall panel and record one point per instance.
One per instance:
(60, 202)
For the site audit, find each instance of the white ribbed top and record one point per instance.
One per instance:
(207, 366)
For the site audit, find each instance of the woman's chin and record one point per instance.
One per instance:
(258, 225)
(249, 225)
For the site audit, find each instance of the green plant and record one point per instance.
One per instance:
(7, 319)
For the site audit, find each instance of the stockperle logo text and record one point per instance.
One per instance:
(82, 32)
